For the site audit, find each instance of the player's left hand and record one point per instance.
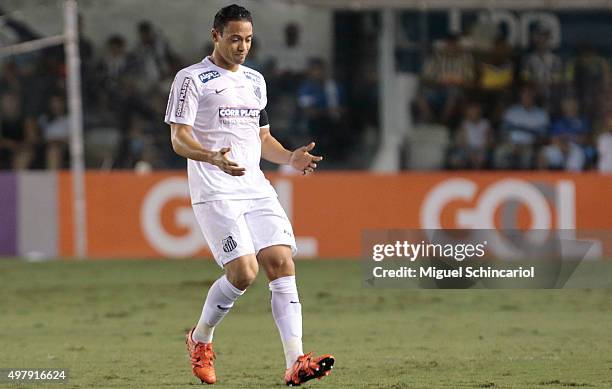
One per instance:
(302, 160)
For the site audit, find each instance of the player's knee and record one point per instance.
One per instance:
(278, 262)
(243, 281)
(243, 275)
(282, 264)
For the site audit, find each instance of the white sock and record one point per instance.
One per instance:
(287, 312)
(221, 297)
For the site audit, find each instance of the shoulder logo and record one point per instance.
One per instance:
(180, 109)
(209, 75)
(252, 76)
(229, 244)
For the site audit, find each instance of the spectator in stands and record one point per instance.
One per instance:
(134, 110)
(321, 103)
(604, 145)
(446, 76)
(472, 140)
(569, 141)
(574, 128)
(561, 154)
(291, 60)
(285, 71)
(543, 68)
(114, 63)
(589, 75)
(154, 138)
(152, 59)
(365, 106)
(112, 73)
(56, 132)
(524, 126)
(496, 70)
(17, 134)
(495, 75)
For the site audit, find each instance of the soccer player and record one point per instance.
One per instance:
(218, 121)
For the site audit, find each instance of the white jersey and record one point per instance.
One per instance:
(223, 107)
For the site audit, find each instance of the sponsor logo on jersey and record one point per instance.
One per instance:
(229, 112)
(229, 244)
(182, 95)
(209, 75)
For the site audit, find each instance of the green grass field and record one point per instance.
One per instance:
(121, 324)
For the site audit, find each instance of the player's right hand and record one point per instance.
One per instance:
(220, 160)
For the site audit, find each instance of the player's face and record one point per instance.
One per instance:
(235, 41)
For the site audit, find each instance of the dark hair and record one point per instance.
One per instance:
(316, 62)
(229, 14)
(115, 40)
(145, 27)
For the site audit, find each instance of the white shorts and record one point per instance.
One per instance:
(233, 228)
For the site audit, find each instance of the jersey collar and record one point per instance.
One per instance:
(208, 61)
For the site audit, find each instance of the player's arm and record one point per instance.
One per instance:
(185, 145)
(271, 149)
(300, 159)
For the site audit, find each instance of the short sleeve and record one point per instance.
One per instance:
(264, 94)
(183, 100)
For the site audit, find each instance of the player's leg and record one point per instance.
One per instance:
(227, 235)
(278, 264)
(239, 274)
(275, 245)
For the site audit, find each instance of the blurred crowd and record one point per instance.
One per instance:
(125, 90)
(519, 110)
(504, 109)
(124, 96)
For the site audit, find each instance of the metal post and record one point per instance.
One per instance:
(387, 157)
(75, 111)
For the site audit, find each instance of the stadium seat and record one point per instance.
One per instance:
(427, 146)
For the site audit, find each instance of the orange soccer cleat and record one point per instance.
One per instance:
(202, 356)
(306, 368)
